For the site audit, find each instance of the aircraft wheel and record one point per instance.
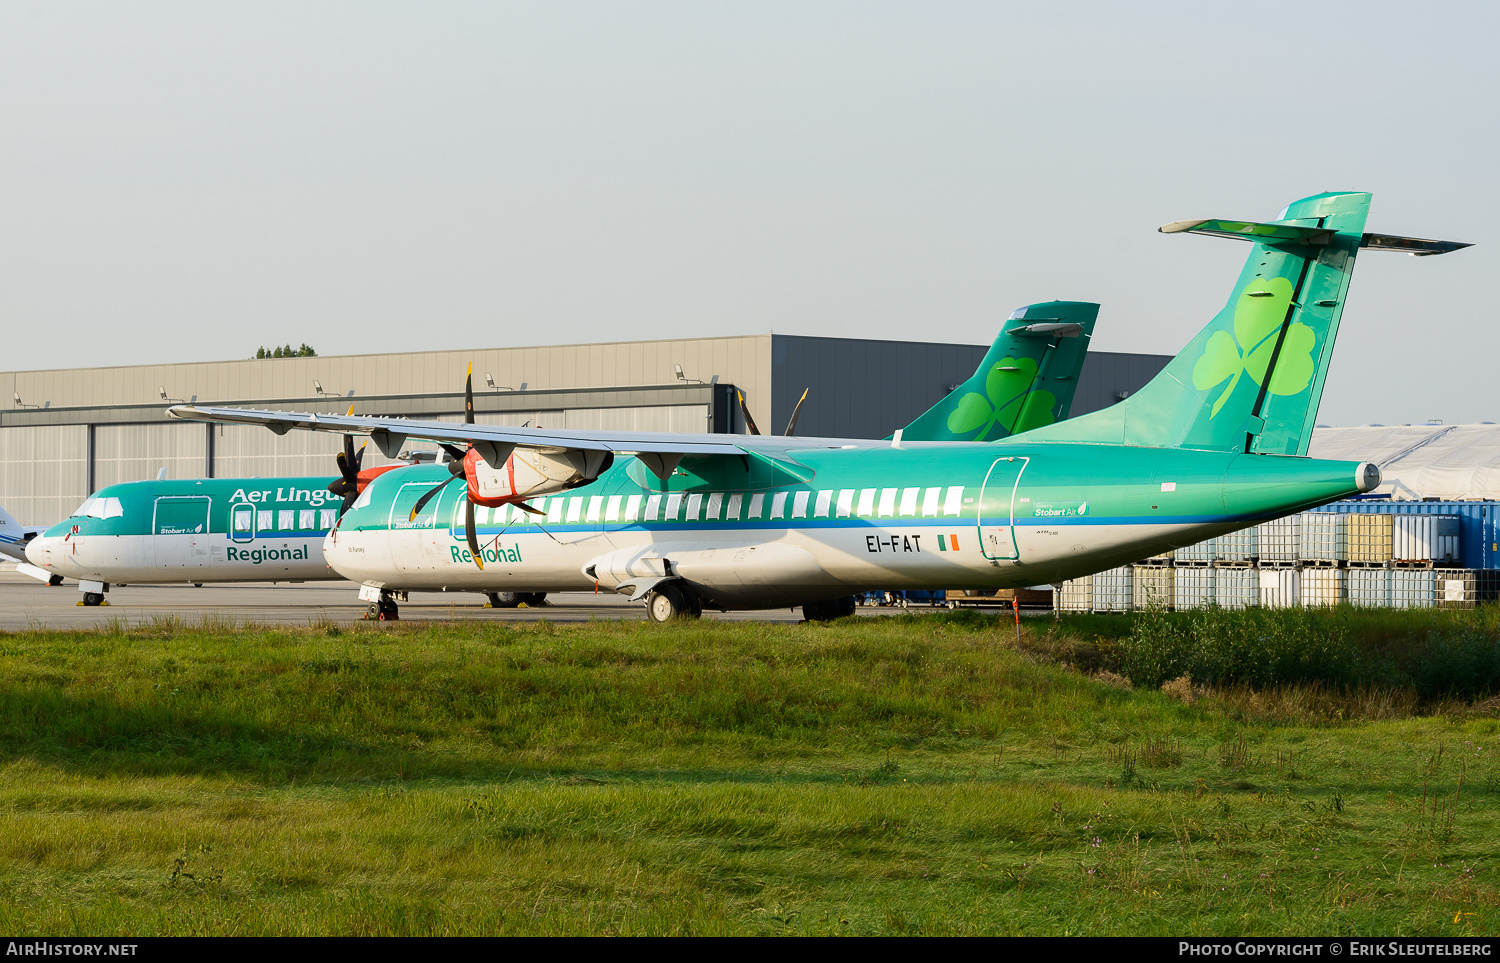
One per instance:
(93, 598)
(55, 580)
(506, 600)
(373, 612)
(534, 599)
(669, 603)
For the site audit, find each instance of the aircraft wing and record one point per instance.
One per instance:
(660, 450)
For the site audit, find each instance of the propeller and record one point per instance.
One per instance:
(352, 481)
(791, 425)
(461, 466)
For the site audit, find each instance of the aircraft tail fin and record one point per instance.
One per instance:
(1252, 379)
(1026, 380)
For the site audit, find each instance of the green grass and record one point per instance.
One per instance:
(916, 774)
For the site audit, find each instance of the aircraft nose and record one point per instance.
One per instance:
(39, 550)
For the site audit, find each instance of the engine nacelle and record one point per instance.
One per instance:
(529, 473)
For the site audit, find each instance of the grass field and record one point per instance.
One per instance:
(918, 774)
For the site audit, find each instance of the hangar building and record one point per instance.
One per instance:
(68, 432)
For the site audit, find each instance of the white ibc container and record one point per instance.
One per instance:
(1113, 589)
(1194, 587)
(1076, 595)
(1370, 587)
(1239, 546)
(1323, 586)
(1425, 538)
(1153, 587)
(1278, 539)
(1325, 537)
(1413, 588)
(1237, 588)
(1201, 552)
(1279, 587)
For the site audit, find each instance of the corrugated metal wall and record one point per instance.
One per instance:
(42, 472)
(132, 452)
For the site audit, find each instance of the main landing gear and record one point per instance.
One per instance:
(93, 593)
(510, 600)
(830, 610)
(671, 601)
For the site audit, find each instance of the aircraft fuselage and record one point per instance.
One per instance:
(822, 523)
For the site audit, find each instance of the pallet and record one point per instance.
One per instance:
(1322, 563)
(1277, 564)
(1234, 565)
(1420, 563)
(1192, 563)
(1353, 564)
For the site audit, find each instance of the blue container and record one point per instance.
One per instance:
(1478, 538)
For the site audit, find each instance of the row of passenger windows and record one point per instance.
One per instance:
(735, 506)
(286, 520)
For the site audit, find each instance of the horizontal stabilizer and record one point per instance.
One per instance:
(1415, 246)
(1251, 231)
(1295, 234)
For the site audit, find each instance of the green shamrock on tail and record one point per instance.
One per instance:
(1007, 387)
(1257, 321)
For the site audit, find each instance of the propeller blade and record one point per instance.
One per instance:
(422, 502)
(457, 454)
(527, 508)
(469, 400)
(791, 425)
(359, 458)
(348, 460)
(349, 500)
(749, 422)
(473, 536)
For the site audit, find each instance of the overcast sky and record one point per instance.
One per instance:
(188, 181)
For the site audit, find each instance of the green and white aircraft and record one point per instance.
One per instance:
(1214, 443)
(273, 529)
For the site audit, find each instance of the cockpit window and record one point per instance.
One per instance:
(363, 499)
(100, 507)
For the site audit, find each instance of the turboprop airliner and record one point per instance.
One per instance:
(273, 529)
(1216, 442)
(206, 530)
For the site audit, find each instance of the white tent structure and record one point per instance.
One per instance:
(1450, 462)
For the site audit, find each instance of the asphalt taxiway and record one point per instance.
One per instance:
(27, 603)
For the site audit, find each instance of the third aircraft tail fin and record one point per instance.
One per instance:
(1026, 379)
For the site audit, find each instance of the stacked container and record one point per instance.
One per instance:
(1413, 588)
(1113, 589)
(1153, 587)
(1325, 537)
(1076, 595)
(1201, 553)
(1238, 546)
(1370, 539)
(1425, 539)
(1279, 587)
(1237, 588)
(1323, 586)
(1278, 539)
(1369, 587)
(1194, 587)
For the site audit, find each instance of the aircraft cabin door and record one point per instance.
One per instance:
(997, 508)
(414, 541)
